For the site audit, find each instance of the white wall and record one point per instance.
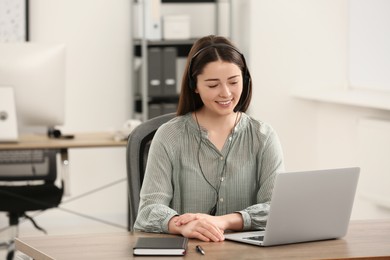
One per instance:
(369, 54)
(304, 43)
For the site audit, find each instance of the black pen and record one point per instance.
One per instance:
(200, 250)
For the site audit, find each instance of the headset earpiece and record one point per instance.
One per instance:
(191, 82)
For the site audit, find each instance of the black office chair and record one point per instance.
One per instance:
(137, 150)
(28, 186)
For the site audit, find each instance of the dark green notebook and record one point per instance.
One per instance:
(160, 246)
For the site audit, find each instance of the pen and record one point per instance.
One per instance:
(200, 250)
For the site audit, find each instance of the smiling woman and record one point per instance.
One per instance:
(201, 55)
(219, 87)
(229, 184)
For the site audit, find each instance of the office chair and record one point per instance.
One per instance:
(27, 186)
(137, 150)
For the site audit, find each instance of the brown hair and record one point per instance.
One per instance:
(205, 50)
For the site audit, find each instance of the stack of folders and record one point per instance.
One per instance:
(161, 246)
(162, 71)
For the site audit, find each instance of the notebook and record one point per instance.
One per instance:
(8, 121)
(160, 246)
(306, 206)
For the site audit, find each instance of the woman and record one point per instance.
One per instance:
(211, 168)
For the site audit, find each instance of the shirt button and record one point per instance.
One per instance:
(230, 138)
(221, 158)
(221, 199)
(222, 179)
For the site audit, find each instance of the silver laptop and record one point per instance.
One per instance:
(306, 206)
(8, 121)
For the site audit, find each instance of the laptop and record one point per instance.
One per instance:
(306, 206)
(8, 121)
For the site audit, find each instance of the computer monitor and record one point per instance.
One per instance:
(36, 72)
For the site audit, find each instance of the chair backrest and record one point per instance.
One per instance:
(18, 194)
(45, 170)
(137, 151)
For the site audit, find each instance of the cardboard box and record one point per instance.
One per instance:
(176, 27)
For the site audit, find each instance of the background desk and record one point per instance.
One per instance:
(365, 240)
(80, 140)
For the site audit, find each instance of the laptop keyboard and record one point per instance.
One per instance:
(256, 238)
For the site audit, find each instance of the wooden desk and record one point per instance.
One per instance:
(366, 239)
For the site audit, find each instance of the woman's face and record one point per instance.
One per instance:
(220, 87)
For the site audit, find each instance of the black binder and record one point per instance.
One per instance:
(169, 71)
(154, 72)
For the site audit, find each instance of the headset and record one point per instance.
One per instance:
(192, 86)
(213, 210)
(246, 75)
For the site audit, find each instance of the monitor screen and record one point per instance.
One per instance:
(36, 72)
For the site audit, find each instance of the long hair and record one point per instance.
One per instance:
(205, 50)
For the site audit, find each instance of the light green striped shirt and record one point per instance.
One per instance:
(184, 173)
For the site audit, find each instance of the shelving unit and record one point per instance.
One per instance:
(143, 100)
(146, 102)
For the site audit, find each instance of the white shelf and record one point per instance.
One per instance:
(352, 97)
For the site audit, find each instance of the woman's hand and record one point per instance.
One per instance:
(201, 228)
(186, 218)
(231, 221)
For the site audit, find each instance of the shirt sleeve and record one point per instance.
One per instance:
(270, 161)
(156, 193)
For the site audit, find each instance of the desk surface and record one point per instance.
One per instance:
(81, 140)
(366, 239)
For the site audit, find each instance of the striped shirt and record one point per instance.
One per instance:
(186, 173)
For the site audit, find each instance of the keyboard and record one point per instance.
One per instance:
(21, 156)
(256, 238)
